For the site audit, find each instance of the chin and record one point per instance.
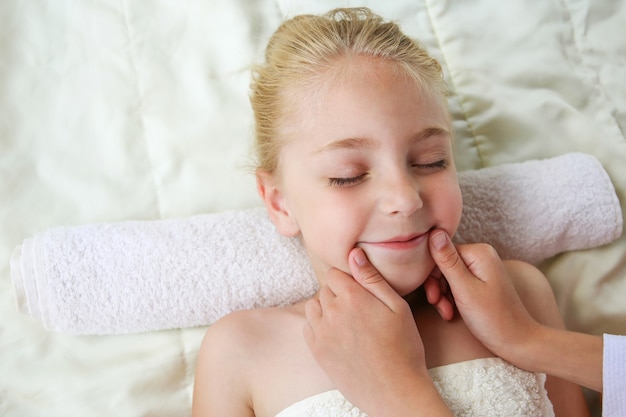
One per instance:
(405, 279)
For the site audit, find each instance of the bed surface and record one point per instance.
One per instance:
(116, 110)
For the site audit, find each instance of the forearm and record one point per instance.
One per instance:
(572, 356)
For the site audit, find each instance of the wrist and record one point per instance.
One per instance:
(572, 356)
(521, 344)
(415, 396)
(527, 351)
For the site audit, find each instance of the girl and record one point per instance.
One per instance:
(354, 149)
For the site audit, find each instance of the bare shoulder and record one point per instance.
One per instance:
(221, 386)
(230, 354)
(241, 337)
(229, 336)
(528, 280)
(244, 328)
(535, 291)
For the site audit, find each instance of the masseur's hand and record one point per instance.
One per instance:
(488, 302)
(362, 333)
(482, 292)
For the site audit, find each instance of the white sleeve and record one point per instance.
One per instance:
(614, 376)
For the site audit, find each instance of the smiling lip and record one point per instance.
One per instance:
(400, 242)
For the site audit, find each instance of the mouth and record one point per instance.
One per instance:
(399, 242)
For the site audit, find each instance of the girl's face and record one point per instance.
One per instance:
(367, 164)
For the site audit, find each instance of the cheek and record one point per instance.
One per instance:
(455, 204)
(329, 229)
(447, 201)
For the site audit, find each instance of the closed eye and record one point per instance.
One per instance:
(345, 182)
(433, 165)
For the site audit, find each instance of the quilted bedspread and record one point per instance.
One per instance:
(113, 110)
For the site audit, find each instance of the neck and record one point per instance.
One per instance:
(417, 298)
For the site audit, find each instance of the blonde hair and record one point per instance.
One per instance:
(306, 47)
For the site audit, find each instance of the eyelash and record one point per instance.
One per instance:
(438, 164)
(346, 182)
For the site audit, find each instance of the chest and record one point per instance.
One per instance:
(288, 373)
(447, 342)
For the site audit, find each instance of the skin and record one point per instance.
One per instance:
(363, 169)
(388, 387)
(515, 289)
(366, 165)
(490, 305)
(370, 167)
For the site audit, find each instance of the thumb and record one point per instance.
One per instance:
(368, 276)
(448, 259)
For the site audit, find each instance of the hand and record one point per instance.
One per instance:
(482, 292)
(438, 294)
(362, 333)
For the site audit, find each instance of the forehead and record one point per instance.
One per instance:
(345, 70)
(356, 88)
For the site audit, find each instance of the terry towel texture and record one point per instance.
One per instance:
(137, 276)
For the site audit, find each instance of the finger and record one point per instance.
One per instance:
(432, 288)
(326, 294)
(340, 289)
(448, 259)
(313, 313)
(313, 310)
(442, 301)
(368, 276)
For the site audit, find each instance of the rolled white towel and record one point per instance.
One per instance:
(137, 276)
(535, 209)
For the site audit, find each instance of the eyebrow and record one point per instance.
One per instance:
(347, 143)
(358, 143)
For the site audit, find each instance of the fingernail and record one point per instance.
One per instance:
(359, 257)
(439, 240)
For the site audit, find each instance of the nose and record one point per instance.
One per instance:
(400, 195)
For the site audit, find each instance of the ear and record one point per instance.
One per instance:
(275, 204)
